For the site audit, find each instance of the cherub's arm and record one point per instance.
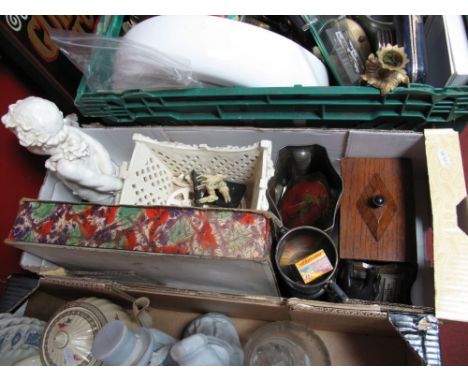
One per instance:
(78, 173)
(98, 150)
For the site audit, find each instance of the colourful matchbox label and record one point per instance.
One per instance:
(313, 266)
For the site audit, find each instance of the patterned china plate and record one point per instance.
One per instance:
(7, 320)
(18, 342)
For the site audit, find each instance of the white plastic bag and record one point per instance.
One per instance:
(139, 67)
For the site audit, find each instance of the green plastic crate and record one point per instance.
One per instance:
(414, 107)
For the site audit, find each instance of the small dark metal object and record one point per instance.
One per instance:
(377, 281)
(378, 201)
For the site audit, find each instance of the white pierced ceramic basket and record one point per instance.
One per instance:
(148, 180)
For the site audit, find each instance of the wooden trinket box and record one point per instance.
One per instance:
(377, 218)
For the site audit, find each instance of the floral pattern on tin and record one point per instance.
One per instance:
(184, 231)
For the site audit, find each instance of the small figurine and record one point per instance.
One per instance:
(386, 70)
(214, 190)
(80, 161)
(211, 183)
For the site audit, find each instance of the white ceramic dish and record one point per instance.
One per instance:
(227, 53)
(69, 335)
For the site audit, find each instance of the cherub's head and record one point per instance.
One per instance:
(37, 123)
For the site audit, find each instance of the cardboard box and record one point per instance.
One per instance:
(339, 144)
(436, 161)
(353, 335)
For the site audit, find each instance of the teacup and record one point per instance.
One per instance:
(69, 335)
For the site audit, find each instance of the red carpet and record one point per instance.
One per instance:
(21, 172)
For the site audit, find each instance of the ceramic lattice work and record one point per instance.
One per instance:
(149, 178)
(172, 230)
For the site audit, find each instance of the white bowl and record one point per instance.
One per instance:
(225, 52)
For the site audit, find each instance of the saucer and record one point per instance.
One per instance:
(69, 336)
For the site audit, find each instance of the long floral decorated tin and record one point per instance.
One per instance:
(170, 230)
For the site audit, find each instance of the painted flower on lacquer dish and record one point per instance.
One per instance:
(304, 203)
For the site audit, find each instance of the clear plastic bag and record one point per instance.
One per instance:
(117, 64)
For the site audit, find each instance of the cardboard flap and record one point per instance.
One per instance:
(447, 185)
(341, 308)
(88, 285)
(353, 318)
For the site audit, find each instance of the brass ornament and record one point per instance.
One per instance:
(386, 69)
(392, 57)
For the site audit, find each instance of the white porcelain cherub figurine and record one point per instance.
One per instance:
(81, 162)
